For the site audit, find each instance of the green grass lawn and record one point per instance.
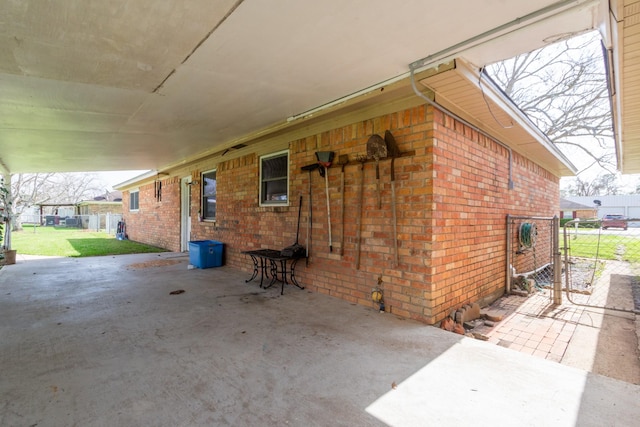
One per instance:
(626, 248)
(73, 242)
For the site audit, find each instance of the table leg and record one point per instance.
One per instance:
(255, 269)
(283, 266)
(274, 273)
(293, 273)
(263, 270)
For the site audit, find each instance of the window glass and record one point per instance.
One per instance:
(134, 200)
(209, 190)
(274, 179)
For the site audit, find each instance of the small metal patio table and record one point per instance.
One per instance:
(271, 263)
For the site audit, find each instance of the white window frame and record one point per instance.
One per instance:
(260, 191)
(202, 206)
(131, 193)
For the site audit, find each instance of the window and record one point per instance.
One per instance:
(274, 179)
(209, 187)
(134, 200)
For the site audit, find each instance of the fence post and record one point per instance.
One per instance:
(557, 262)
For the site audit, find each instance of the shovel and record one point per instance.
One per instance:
(324, 160)
(343, 159)
(377, 149)
(295, 250)
(309, 168)
(362, 160)
(393, 151)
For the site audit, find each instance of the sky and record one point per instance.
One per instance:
(116, 177)
(548, 69)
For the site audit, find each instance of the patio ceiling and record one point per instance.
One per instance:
(89, 85)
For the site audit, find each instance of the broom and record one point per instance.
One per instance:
(296, 250)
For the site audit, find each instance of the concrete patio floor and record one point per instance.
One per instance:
(100, 341)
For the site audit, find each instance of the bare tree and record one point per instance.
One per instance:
(52, 188)
(606, 184)
(563, 89)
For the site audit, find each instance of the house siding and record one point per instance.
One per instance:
(452, 198)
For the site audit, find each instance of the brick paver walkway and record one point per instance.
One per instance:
(535, 326)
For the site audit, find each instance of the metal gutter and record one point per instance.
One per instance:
(499, 31)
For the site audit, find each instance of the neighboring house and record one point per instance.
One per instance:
(575, 210)
(110, 203)
(102, 212)
(454, 186)
(623, 204)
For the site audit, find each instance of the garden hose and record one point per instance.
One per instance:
(527, 234)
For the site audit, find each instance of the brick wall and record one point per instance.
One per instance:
(471, 201)
(157, 222)
(452, 198)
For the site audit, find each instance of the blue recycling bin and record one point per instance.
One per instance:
(205, 253)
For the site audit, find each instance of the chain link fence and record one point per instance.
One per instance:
(586, 262)
(532, 254)
(94, 222)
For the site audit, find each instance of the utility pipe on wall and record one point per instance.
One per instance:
(463, 121)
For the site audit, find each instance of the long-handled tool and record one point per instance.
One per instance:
(343, 159)
(393, 151)
(296, 250)
(309, 168)
(362, 160)
(324, 159)
(377, 149)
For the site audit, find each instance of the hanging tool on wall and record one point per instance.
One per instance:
(157, 189)
(310, 168)
(343, 159)
(362, 160)
(296, 250)
(393, 151)
(377, 149)
(324, 159)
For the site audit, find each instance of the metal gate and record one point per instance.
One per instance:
(583, 262)
(602, 264)
(532, 255)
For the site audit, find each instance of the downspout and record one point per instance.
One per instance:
(465, 122)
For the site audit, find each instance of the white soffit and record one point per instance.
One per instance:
(627, 97)
(461, 91)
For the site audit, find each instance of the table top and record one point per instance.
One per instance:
(272, 254)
